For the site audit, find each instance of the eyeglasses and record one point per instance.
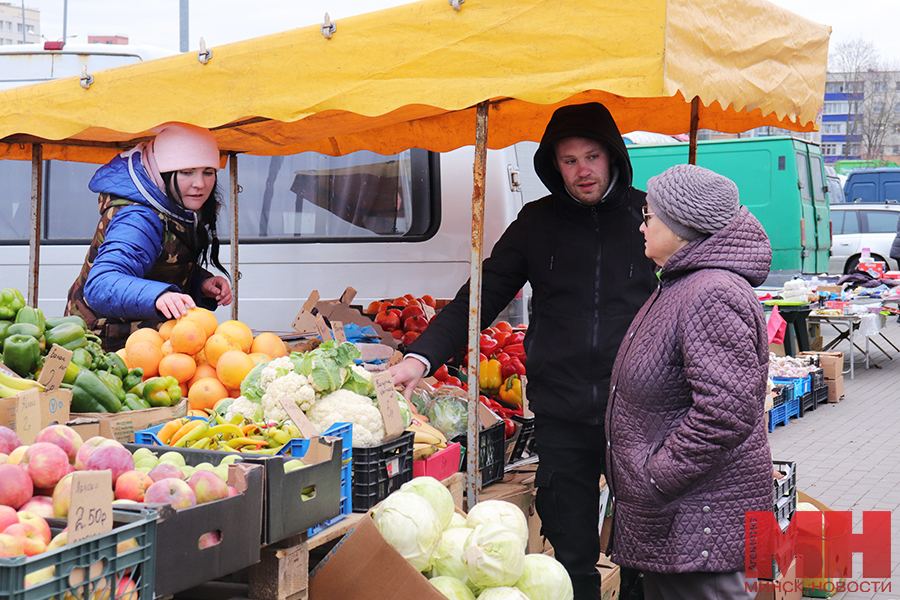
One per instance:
(646, 214)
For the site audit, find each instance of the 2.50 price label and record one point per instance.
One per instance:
(90, 512)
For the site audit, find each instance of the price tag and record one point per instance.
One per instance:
(90, 512)
(55, 366)
(322, 328)
(395, 359)
(298, 417)
(337, 329)
(526, 411)
(387, 404)
(28, 415)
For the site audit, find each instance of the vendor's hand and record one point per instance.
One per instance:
(217, 287)
(407, 374)
(174, 305)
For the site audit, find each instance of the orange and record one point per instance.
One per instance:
(234, 393)
(146, 355)
(166, 329)
(237, 331)
(188, 337)
(203, 371)
(269, 343)
(217, 345)
(205, 393)
(144, 333)
(259, 357)
(180, 366)
(204, 317)
(200, 358)
(124, 356)
(166, 348)
(232, 367)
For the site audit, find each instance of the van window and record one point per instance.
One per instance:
(803, 175)
(310, 197)
(880, 221)
(818, 186)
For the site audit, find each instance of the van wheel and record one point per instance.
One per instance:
(851, 265)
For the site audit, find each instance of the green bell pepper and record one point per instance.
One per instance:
(68, 335)
(82, 401)
(31, 315)
(51, 322)
(162, 391)
(113, 383)
(21, 353)
(113, 363)
(25, 329)
(11, 302)
(82, 358)
(72, 372)
(4, 330)
(98, 390)
(132, 380)
(133, 402)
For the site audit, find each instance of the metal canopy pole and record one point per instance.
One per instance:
(695, 122)
(235, 227)
(34, 244)
(473, 473)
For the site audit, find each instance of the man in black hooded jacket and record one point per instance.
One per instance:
(581, 250)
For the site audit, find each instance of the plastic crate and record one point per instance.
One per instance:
(525, 440)
(784, 510)
(75, 560)
(800, 384)
(149, 437)
(381, 470)
(807, 402)
(787, 485)
(821, 394)
(777, 417)
(817, 378)
(780, 392)
(345, 432)
(491, 452)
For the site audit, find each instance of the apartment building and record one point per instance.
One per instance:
(19, 25)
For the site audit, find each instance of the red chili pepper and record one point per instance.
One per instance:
(442, 373)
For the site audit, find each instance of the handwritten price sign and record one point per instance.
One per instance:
(28, 415)
(90, 512)
(387, 404)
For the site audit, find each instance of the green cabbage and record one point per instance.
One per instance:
(502, 593)
(494, 556)
(457, 520)
(448, 414)
(499, 511)
(454, 589)
(448, 558)
(437, 495)
(409, 524)
(544, 578)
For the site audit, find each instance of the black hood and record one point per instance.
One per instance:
(590, 121)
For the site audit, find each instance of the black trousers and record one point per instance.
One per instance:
(572, 457)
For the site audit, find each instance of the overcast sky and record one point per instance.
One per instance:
(155, 22)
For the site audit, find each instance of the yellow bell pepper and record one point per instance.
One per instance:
(489, 379)
(511, 390)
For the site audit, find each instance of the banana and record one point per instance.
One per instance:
(427, 433)
(8, 392)
(421, 451)
(423, 437)
(17, 383)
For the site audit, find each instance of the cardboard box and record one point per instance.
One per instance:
(121, 426)
(786, 587)
(610, 578)
(363, 566)
(777, 349)
(820, 587)
(338, 310)
(875, 269)
(55, 408)
(832, 363)
(835, 389)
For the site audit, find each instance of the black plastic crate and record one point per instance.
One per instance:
(821, 394)
(785, 508)
(525, 440)
(787, 485)
(491, 452)
(76, 562)
(817, 378)
(780, 393)
(807, 402)
(381, 470)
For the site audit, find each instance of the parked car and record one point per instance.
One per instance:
(858, 226)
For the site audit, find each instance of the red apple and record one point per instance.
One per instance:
(32, 539)
(411, 310)
(388, 320)
(132, 485)
(88, 447)
(39, 523)
(58, 541)
(39, 505)
(415, 323)
(126, 545)
(16, 456)
(46, 464)
(165, 471)
(9, 440)
(16, 487)
(208, 486)
(116, 459)
(210, 539)
(232, 491)
(126, 589)
(171, 491)
(63, 436)
(10, 545)
(8, 516)
(62, 497)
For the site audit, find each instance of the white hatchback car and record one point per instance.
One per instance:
(857, 226)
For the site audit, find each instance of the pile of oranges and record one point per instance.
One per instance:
(209, 359)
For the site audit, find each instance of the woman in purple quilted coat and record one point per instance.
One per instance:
(688, 452)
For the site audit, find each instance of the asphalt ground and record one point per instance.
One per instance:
(848, 454)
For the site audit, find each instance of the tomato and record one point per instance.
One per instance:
(442, 373)
(509, 428)
(503, 326)
(453, 381)
(500, 337)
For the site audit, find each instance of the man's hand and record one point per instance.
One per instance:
(408, 373)
(217, 287)
(174, 305)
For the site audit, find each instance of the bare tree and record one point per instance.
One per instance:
(851, 61)
(878, 118)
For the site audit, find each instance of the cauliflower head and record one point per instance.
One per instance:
(241, 406)
(344, 406)
(276, 368)
(293, 385)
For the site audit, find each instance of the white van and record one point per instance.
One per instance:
(385, 225)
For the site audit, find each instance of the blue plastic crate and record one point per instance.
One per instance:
(792, 409)
(800, 384)
(777, 417)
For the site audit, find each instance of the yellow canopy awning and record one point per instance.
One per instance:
(411, 76)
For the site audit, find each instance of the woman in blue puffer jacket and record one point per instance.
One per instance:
(158, 205)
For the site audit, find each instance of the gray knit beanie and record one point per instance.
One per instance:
(692, 201)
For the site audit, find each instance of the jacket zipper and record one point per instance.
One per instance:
(595, 341)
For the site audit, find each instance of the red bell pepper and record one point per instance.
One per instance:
(487, 344)
(517, 350)
(515, 338)
(442, 373)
